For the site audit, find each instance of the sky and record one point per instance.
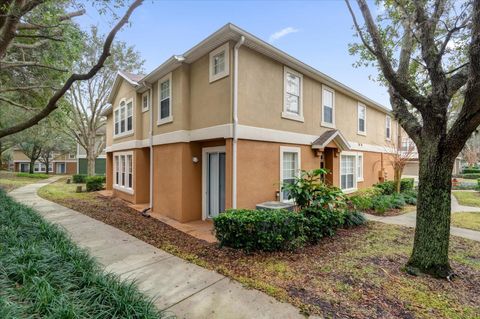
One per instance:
(315, 32)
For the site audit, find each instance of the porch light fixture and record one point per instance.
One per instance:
(195, 159)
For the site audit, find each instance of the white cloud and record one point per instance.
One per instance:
(280, 34)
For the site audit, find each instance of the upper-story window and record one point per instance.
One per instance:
(123, 118)
(219, 63)
(362, 119)
(328, 107)
(293, 100)
(145, 101)
(71, 156)
(165, 100)
(388, 127)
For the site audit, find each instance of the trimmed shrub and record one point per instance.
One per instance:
(267, 230)
(471, 171)
(34, 175)
(353, 218)
(361, 202)
(397, 201)
(79, 178)
(94, 183)
(471, 176)
(387, 188)
(382, 203)
(321, 222)
(406, 184)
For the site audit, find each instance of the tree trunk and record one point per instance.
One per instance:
(90, 165)
(47, 163)
(398, 179)
(1, 155)
(432, 233)
(32, 165)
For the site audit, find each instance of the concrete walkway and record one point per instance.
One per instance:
(176, 286)
(409, 220)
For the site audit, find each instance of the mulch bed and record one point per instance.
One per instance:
(310, 278)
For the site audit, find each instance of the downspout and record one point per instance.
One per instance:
(235, 121)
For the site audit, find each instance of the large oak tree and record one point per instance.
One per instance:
(428, 54)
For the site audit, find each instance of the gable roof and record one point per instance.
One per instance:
(231, 32)
(327, 137)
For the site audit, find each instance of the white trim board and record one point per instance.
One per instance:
(244, 132)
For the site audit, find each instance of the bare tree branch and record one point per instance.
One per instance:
(52, 104)
(27, 64)
(32, 26)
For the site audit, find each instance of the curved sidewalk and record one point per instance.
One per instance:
(176, 286)
(409, 220)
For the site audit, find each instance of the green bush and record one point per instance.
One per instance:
(397, 201)
(406, 184)
(470, 176)
(321, 222)
(95, 183)
(353, 218)
(79, 178)
(34, 175)
(410, 197)
(267, 230)
(382, 203)
(471, 171)
(361, 202)
(387, 187)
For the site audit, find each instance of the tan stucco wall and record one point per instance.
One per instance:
(19, 156)
(261, 86)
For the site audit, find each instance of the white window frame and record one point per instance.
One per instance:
(119, 108)
(289, 149)
(359, 167)
(118, 184)
(323, 123)
(285, 113)
(71, 156)
(355, 180)
(169, 118)
(364, 107)
(223, 48)
(388, 124)
(146, 94)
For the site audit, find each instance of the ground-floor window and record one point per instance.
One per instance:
(289, 167)
(123, 171)
(347, 172)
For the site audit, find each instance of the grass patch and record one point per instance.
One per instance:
(468, 198)
(60, 190)
(466, 220)
(341, 277)
(44, 275)
(10, 180)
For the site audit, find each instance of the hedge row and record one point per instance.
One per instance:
(471, 176)
(272, 230)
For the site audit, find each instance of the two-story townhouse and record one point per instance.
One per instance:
(226, 123)
(60, 163)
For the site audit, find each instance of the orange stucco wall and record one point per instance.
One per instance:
(109, 171)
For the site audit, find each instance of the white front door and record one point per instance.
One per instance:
(213, 181)
(60, 168)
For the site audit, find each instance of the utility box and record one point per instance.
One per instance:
(275, 205)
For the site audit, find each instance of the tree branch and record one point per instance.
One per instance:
(52, 103)
(33, 26)
(27, 64)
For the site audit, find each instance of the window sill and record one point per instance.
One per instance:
(145, 110)
(329, 125)
(214, 78)
(124, 189)
(349, 190)
(122, 135)
(362, 133)
(293, 117)
(359, 180)
(165, 120)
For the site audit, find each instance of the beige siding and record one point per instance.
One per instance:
(261, 103)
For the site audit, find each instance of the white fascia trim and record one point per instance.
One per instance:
(127, 145)
(85, 156)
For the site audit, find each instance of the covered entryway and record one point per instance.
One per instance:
(213, 176)
(61, 168)
(24, 167)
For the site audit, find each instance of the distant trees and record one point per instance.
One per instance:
(471, 151)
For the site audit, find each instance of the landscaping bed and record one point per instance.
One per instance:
(43, 274)
(354, 274)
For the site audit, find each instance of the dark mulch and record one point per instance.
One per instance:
(355, 274)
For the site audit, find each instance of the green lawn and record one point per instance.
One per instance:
(466, 220)
(9, 180)
(60, 190)
(467, 198)
(44, 275)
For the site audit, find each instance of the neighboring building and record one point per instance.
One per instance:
(60, 163)
(227, 122)
(411, 169)
(82, 167)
